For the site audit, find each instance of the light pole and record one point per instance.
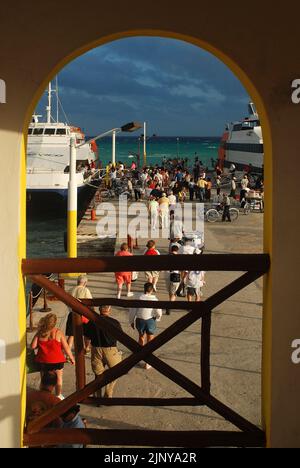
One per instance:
(72, 186)
(113, 159)
(145, 140)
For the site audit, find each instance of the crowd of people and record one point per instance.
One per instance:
(163, 187)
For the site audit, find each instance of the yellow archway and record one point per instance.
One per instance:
(255, 95)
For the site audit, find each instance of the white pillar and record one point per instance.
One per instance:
(113, 159)
(72, 203)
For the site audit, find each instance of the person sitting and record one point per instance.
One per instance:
(40, 401)
(71, 419)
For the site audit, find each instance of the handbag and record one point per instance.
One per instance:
(175, 277)
(181, 290)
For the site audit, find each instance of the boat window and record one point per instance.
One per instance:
(237, 127)
(61, 131)
(29, 131)
(38, 131)
(49, 131)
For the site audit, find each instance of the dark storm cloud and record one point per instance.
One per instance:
(176, 87)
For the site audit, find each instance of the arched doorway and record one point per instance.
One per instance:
(249, 86)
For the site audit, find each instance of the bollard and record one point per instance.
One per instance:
(136, 245)
(93, 214)
(45, 308)
(129, 242)
(31, 327)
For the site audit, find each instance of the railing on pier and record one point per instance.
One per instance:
(253, 267)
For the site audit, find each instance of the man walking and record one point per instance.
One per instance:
(144, 319)
(226, 209)
(104, 348)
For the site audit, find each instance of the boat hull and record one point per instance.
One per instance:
(53, 203)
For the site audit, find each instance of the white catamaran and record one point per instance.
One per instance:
(242, 143)
(48, 155)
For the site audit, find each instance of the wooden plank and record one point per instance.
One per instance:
(79, 351)
(220, 262)
(146, 438)
(205, 353)
(143, 402)
(135, 303)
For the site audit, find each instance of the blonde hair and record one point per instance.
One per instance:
(46, 325)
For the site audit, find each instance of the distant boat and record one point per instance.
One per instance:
(242, 143)
(48, 154)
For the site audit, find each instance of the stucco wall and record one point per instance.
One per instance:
(36, 37)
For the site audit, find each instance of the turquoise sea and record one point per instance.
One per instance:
(45, 237)
(159, 147)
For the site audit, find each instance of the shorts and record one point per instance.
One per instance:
(194, 292)
(50, 367)
(151, 274)
(146, 326)
(173, 287)
(122, 278)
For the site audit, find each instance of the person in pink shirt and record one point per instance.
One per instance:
(124, 276)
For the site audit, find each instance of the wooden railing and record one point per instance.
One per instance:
(254, 266)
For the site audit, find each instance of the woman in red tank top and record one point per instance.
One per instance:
(51, 345)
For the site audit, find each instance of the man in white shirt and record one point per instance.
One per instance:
(195, 280)
(154, 214)
(144, 319)
(173, 201)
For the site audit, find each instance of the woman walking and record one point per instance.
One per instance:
(51, 344)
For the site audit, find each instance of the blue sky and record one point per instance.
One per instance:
(179, 89)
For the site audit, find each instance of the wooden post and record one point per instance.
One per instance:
(31, 327)
(45, 308)
(79, 351)
(205, 352)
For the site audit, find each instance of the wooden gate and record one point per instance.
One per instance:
(247, 434)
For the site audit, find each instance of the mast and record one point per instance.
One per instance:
(57, 103)
(48, 108)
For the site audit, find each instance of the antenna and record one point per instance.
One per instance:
(48, 108)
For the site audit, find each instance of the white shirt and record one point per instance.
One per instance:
(172, 199)
(153, 206)
(145, 313)
(244, 183)
(188, 249)
(195, 279)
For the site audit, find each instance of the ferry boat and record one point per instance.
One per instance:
(242, 144)
(48, 155)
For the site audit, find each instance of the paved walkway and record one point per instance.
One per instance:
(235, 345)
